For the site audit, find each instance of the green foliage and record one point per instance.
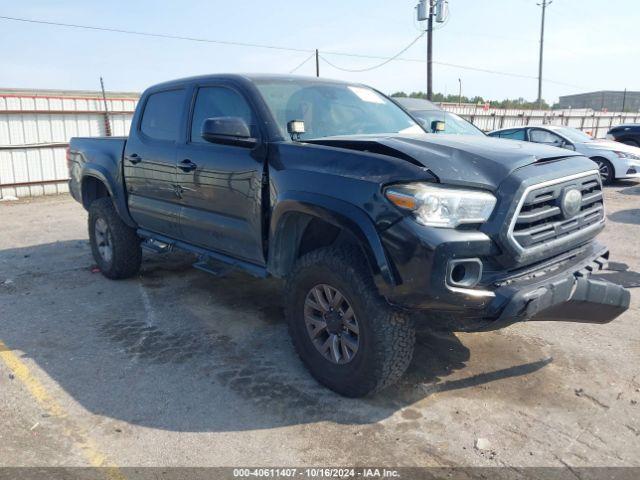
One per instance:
(517, 103)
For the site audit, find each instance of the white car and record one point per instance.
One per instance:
(615, 160)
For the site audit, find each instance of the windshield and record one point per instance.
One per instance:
(329, 109)
(453, 123)
(574, 135)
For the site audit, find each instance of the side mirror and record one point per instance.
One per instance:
(568, 145)
(228, 131)
(437, 126)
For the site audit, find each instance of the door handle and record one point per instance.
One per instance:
(187, 165)
(134, 158)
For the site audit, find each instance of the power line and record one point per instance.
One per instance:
(156, 35)
(413, 42)
(303, 62)
(507, 74)
(290, 49)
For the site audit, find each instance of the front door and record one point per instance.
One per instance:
(150, 163)
(221, 185)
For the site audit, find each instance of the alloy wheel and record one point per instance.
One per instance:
(331, 324)
(605, 171)
(104, 241)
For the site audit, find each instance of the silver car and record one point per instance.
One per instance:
(615, 160)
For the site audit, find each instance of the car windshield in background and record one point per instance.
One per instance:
(574, 135)
(453, 123)
(333, 109)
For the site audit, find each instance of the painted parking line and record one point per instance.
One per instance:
(78, 435)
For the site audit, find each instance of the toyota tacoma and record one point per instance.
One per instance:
(373, 223)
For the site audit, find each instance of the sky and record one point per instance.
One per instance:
(589, 44)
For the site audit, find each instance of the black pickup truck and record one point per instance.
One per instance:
(373, 222)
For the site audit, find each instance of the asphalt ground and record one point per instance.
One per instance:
(179, 368)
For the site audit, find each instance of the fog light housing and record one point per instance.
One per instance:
(464, 273)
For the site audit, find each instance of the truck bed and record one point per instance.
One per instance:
(102, 154)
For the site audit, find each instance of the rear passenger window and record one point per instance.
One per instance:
(513, 134)
(162, 115)
(214, 102)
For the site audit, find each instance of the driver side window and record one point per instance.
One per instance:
(544, 136)
(218, 102)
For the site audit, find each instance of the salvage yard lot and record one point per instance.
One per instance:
(176, 367)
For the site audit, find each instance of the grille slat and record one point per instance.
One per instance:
(540, 218)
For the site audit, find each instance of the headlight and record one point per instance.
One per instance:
(438, 206)
(627, 155)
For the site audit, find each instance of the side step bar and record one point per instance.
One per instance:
(161, 244)
(155, 246)
(219, 270)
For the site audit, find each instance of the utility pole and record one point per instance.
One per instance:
(459, 91)
(317, 63)
(430, 52)
(544, 6)
(427, 10)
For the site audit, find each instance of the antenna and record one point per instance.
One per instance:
(107, 122)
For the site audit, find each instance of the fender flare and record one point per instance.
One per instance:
(113, 186)
(336, 212)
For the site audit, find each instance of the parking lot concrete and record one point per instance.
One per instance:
(179, 368)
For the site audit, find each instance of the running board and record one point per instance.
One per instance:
(153, 240)
(156, 246)
(219, 270)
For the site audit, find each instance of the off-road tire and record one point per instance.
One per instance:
(126, 251)
(386, 336)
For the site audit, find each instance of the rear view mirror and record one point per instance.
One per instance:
(437, 126)
(227, 131)
(295, 128)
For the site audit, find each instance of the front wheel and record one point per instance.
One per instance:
(606, 170)
(115, 245)
(347, 335)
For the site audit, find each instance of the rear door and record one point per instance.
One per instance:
(221, 184)
(150, 162)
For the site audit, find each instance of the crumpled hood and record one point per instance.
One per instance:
(458, 159)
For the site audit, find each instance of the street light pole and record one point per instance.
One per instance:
(459, 92)
(544, 6)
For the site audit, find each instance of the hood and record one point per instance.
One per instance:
(455, 159)
(610, 145)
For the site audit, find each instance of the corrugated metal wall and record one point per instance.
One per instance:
(35, 127)
(34, 132)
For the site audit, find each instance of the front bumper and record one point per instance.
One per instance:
(627, 168)
(560, 288)
(572, 297)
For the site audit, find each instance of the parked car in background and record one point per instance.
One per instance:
(437, 120)
(627, 134)
(615, 160)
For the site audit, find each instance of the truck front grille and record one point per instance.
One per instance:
(540, 221)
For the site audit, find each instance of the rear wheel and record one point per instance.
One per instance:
(115, 245)
(606, 170)
(347, 335)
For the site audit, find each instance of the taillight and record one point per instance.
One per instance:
(69, 158)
